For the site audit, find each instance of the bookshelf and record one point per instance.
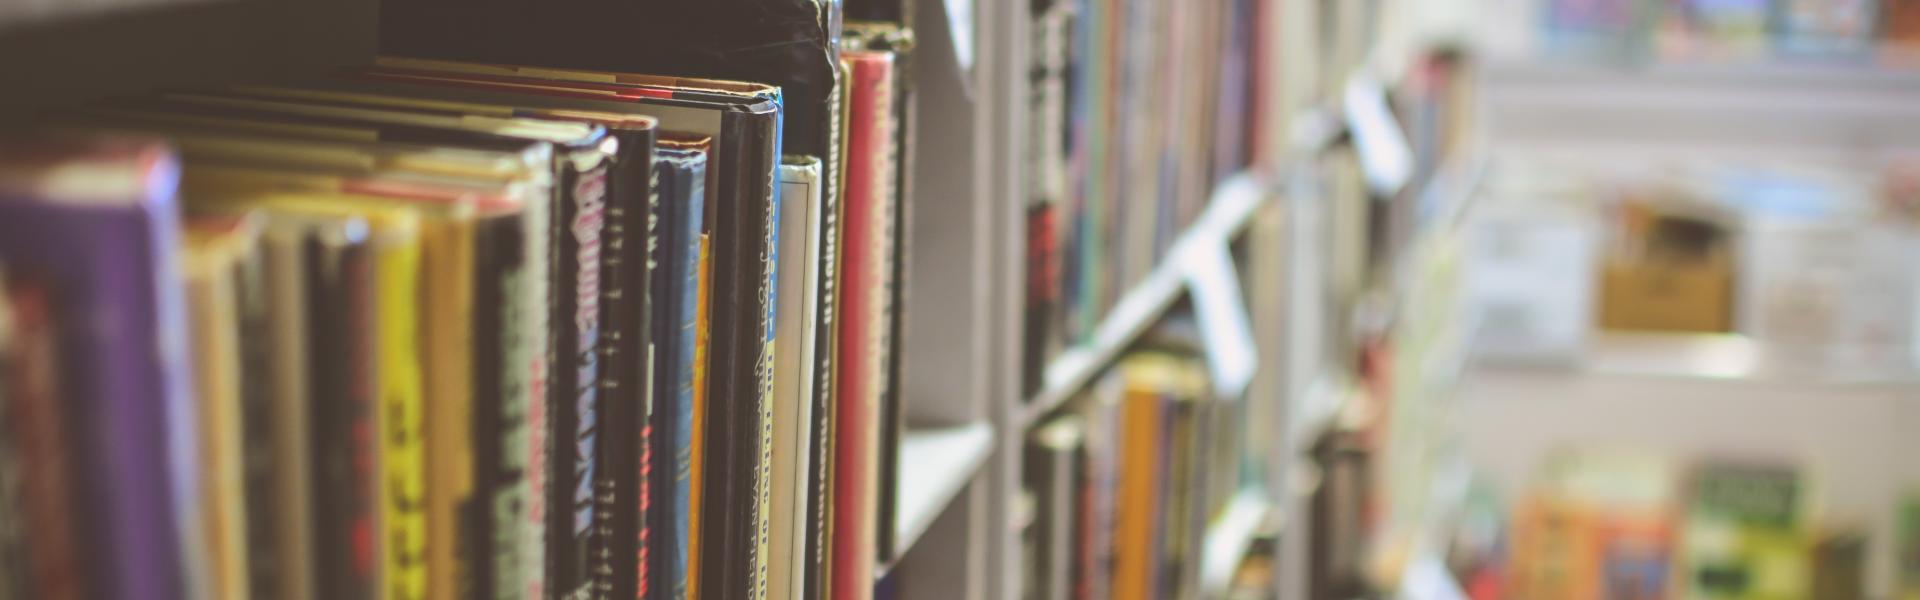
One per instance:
(958, 479)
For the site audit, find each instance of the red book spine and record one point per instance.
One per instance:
(862, 277)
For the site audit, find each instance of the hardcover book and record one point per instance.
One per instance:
(109, 248)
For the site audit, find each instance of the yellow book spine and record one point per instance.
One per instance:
(1138, 496)
(401, 418)
(447, 329)
(702, 326)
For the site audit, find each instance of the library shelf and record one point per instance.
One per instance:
(1232, 206)
(1228, 538)
(936, 464)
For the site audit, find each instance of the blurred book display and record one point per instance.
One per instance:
(1732, 31)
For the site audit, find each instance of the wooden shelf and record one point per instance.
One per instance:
(935, 465)
(1233, 205)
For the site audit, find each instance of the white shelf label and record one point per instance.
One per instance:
(1385, 155)
(1232, 355)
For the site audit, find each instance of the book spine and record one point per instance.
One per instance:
(454, 337)
(741, 365)
(893, 258)
(259, 463)
(341, 409)
(1137, 501)
(861, 327)
(401, 418)
(623, 491)
(792, 372)
(703, 349)
(509, 411)
(573, 400)
(209, 265)
(683, 186)
(285, 253)
(36, 426)
(820, 479)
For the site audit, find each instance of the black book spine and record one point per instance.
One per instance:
(256, 397)
(623, 493)
(573, 403)
(819, 541)
(341, 414)
(741, 367)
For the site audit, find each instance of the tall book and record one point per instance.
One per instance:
(681, 175)
(864, 271)
(703, 346)
(213, 254)
(1154, 388)
(110, 249)
(793, 377)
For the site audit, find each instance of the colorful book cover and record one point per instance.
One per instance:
(103, 233)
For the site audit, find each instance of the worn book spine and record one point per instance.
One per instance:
(741, 366)
(32, 372)
(821, 479)
(681, 169)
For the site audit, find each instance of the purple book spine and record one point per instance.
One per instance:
(125, 327)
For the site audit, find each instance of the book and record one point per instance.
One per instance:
(862, 286)
(39, 440)
(823, 478)
(793, 376)
(682, 176)
(214, 250)
(1056, 475)
(110, 249)
(702, 347)
(1744, 533)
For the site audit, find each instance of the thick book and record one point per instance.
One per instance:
(681, 168)
(862, 353)
(793, 376)
(214, 251)
(742, 213)
(38, 441)
(110, 250)
(896, 41)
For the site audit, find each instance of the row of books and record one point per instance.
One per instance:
(445, 329)
(1120, 486)
(1736, 29)
(1137, 109)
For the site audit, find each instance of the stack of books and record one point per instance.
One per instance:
(527, 308)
